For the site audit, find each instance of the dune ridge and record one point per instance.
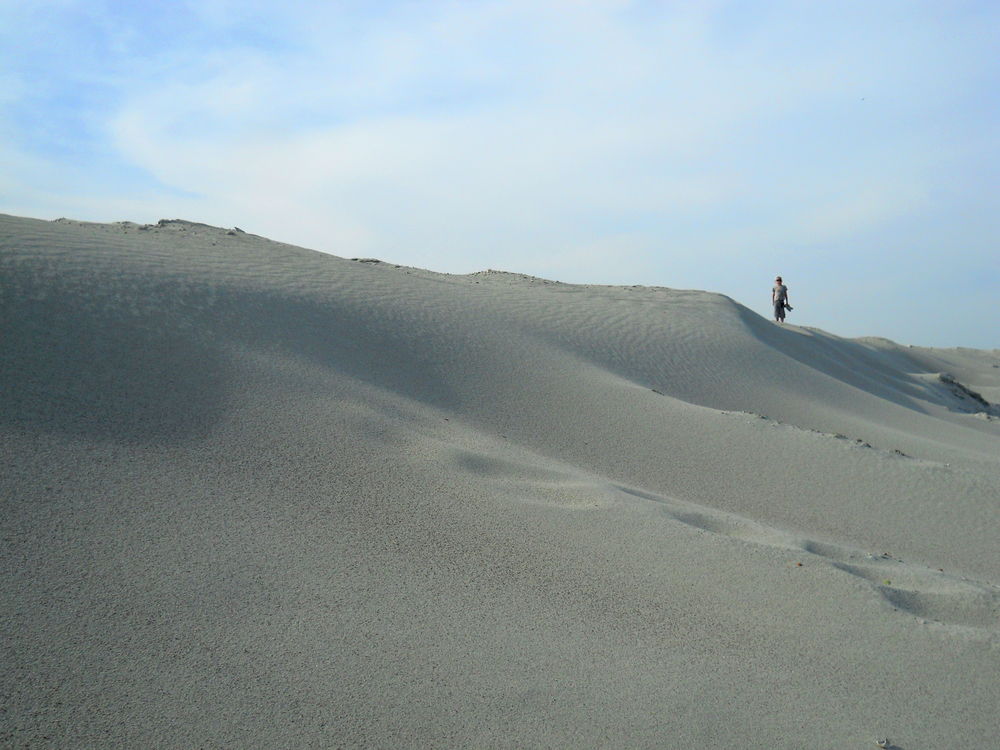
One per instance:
(257, 495)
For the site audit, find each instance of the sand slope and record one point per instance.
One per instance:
(254, 495)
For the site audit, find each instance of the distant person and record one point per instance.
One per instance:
(779, 298)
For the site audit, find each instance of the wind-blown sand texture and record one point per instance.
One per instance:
(259, 496)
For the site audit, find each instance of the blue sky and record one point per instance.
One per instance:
(853, 148)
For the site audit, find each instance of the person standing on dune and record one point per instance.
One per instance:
(779, 298)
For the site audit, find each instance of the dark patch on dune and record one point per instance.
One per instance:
(148, 356)
(78, 357)
(965, 394)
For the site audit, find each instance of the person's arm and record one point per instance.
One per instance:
(772, 296)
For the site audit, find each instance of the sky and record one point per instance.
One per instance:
(852, 147)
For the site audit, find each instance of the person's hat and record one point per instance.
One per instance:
(777, 278)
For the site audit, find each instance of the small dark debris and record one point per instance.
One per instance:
(962, 391)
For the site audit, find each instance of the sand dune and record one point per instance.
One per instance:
(259, 496)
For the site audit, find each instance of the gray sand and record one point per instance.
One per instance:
(257, 496)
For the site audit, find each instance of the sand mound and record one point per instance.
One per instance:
(256, 495)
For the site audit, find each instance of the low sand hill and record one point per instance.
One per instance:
(258, 496)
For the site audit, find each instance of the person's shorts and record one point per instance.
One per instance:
(779, 310)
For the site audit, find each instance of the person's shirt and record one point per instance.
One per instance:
(780, 293)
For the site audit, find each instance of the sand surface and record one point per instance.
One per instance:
(258, 496)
